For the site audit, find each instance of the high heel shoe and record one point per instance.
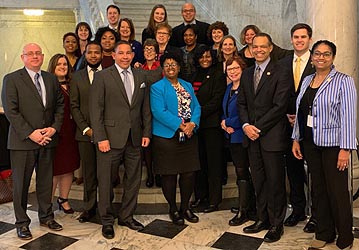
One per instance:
(61, 201)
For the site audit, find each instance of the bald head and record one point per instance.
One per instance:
(32, 56)
(188, 12)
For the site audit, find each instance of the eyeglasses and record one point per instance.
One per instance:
(149, 50)
(162, 33)
(32, 54)
(326, 55)
(188, 11)
(172, 65)
(233, 69)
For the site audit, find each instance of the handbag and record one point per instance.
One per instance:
(6, 186)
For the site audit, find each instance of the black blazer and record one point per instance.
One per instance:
(25, 111)
(177, 37)
(210, 96)
(265, 109)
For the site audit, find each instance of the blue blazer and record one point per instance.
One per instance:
(164, 107)
(232, 120)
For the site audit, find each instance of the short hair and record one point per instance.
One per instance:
(87, 26)
(53, 63)
(170, 55)
(190, 27)
(94, 42)
(200, 50)
(102, 31)
(113, 6)
(330, 44)
(122, 42)
(301, 26)
(237, 59)
(151, 22)
(194, 7)
(244, 31)
(164, 25)
(70, 34)
(217, 26)
(262, 34)
(152, 42)
(220, 53)
(132, 28)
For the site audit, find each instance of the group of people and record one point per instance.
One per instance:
(178, 100)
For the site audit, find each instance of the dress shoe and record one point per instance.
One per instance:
(274, 234)
(210, 209)
(108, 232)
(310, 226)
(176, 218)
(348, 247)
(24, 233)
(318, 244)
(256, 227)
(132, 224)
(51, 224)
(150, 181)
(239, 219)
(293, 220)
(86, 215)
(198, 203)
(60, 202)
(190, 216)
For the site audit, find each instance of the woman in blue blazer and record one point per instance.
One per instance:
(234, 137)
(326, 123)
(175, 117)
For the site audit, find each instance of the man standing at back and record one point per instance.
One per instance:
(262, 104)
(113, 17)
(33, 104)
(189, 17)
(121, 121)
(297, 66)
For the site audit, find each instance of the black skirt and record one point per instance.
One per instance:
(173, 157)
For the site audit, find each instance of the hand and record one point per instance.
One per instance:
(252, 132)
(104, 146)
(223, 125)
(137, 65)
(296, 150)
(343, 159)
(291, 119)
(188, 128)
(145, 142)
(89, 133)
(230, 130)
(36, 136)
(48, 132)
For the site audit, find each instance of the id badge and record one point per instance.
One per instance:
(310, 121)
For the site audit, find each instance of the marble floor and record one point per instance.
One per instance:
(212, 232)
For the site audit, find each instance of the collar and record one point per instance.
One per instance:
(263, 65)
(32, 73)
(193, 22)
(121, 69)
(99, 68)
(304, 58)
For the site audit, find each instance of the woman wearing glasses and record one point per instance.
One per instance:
(175, 117)
(326, 123)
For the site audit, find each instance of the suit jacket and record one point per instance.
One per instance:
(79, 102)
(112, 116)
(164, 107)
(25, 111)
(177, 36)
(287, 64)
(210, 96)
(266, 108)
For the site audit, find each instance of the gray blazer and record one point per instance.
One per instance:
(25, 111)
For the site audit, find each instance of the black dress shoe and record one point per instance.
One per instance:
(51, 224)
(256, 227)
(210, 209)
(108, 232)
(132, 224)
(150, 181)
(190, 216)
(293, 220)
(24, 233)
(239, 219)
(310, 226)
(86, 215)
(274, 234)
(176, 218)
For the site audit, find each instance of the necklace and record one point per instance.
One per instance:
(176, 85)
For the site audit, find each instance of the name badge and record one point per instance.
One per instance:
(310, 121)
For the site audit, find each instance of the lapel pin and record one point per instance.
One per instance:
(207, 76)
(268, 73)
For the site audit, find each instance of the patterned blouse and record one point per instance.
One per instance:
(184, 102)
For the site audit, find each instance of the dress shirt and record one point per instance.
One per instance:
(91, 73)
(263, 66)
(130, 76)
(41, 81)
(303, 62)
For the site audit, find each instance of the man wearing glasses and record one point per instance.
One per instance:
(33, 104)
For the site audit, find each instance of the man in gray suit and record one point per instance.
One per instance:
(33, 104)
(79, 99)
(121, 122)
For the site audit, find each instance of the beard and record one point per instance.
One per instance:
(94, 66)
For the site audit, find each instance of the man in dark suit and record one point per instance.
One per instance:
(262, 103)
(79, 100)
(189, 17)
(33, 104)
(121, 122)
(297, 65)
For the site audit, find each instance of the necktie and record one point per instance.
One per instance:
(297, 73)
(127, 84)
(256, 78)
(92, 73)
(37, 84)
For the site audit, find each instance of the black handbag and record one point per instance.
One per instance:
(6, 186)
